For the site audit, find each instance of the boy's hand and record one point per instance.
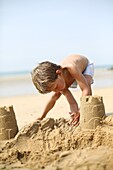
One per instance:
(74, 120)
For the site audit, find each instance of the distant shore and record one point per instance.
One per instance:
(21, 84)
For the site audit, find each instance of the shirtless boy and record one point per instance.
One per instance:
(48, 77)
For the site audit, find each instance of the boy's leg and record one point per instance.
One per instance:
(89, 81)
(88, 74)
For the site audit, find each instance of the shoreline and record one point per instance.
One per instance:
(21, 84)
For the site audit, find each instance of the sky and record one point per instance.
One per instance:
(32, 31)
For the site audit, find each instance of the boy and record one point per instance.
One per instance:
(49, 77)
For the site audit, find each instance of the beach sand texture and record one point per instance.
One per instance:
(53, 144)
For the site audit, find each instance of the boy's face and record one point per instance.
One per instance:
(59, 84)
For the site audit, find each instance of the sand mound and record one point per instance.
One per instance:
(53, 144)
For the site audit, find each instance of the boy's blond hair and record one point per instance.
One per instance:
(43, 75)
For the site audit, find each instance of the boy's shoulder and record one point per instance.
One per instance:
(72, 59)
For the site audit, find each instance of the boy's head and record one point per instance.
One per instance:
(45, 74)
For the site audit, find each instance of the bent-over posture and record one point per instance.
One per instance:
(48, 77)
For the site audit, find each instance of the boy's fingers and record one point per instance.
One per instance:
(76, 123)
(74, 119)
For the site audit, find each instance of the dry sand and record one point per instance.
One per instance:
(53, 144)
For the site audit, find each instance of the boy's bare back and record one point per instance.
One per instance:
(75, 60)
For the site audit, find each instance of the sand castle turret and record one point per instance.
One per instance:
(92, 111)
(8, 124)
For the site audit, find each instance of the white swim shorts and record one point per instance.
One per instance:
(89, 69)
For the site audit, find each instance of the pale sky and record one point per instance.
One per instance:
(32, 31)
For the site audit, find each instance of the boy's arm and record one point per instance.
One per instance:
(74, 114)
(50, 104)
(71, 100)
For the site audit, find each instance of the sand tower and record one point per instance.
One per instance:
(8, 124)
(92, 111)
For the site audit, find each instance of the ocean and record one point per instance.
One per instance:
(16, 83)
(20, 83)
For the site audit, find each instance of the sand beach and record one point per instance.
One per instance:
(31, 33)
(53, 144)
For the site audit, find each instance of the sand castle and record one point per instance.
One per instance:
(53, 144)
(92, 111)
(8, 124)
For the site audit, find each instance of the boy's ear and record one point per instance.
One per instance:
(58, 72)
